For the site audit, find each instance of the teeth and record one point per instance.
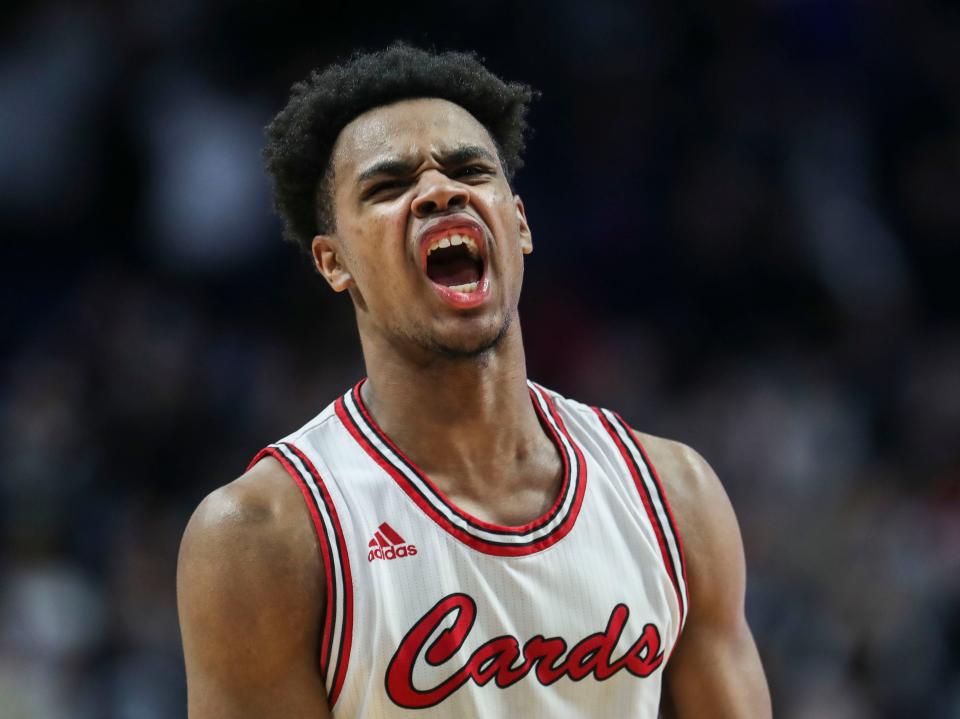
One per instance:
(468, 287)
(454, 241)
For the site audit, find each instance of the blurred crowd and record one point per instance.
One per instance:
(746, 218)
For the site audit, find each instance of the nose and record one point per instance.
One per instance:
(438, 193)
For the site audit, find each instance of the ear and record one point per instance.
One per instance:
(526, 237)
(328, 260)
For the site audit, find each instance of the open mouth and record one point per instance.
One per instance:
(454, 261)
(453, 256)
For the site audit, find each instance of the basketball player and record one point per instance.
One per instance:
(448, 538)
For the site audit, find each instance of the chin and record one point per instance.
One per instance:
(472, 345)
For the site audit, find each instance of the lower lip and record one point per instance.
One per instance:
(464, 300)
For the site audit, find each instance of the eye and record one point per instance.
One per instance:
(471, 171)
(384, 187)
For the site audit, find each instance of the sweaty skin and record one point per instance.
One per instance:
(448, 384)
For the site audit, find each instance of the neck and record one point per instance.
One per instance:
(468, 417)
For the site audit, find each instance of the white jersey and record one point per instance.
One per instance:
(432, 612)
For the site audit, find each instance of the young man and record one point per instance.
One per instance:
(448, 539)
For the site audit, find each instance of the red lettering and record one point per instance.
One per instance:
(399, 678)
(546, 653)
(645, 655)
(498, 658)
(593, 653)
(397, 552)
(494, 659)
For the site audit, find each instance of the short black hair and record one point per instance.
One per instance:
(301, 137)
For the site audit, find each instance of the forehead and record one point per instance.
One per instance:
(407, 129)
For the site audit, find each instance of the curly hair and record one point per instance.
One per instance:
(300, 139)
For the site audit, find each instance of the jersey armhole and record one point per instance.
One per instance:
(337, 632)
(648, 485)
(670, 518)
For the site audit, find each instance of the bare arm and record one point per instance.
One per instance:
(250, 592)
(715, 670)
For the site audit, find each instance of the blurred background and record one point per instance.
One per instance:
(747, 219)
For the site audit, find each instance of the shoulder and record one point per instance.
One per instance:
(694, 493)
(263, 510)
(697, 498)
(249, 558)
(691, 485)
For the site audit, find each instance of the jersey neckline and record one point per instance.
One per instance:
(483, 536)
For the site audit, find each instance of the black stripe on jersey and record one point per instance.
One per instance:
(416, 488)
(428, 485)
(675, 561)
(333, 545)
(357, 416)
(569, 486)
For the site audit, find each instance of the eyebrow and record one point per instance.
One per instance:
(466, 153)
(399, 167)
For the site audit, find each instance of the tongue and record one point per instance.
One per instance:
(453, 272)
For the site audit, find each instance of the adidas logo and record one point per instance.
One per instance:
(387, 544)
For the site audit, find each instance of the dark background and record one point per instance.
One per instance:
(746, 217)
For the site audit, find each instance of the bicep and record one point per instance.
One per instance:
(249, 605)
(715, 669)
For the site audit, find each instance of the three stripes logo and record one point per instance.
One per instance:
(388, 544)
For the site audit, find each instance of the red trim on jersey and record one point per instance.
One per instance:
(478, 543)
(326, 554)
(643, 491)
(581, 463)
(346, 634)
(324, 545)
(666, 505)
(475, 521)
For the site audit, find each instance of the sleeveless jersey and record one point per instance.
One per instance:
(432, 612)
